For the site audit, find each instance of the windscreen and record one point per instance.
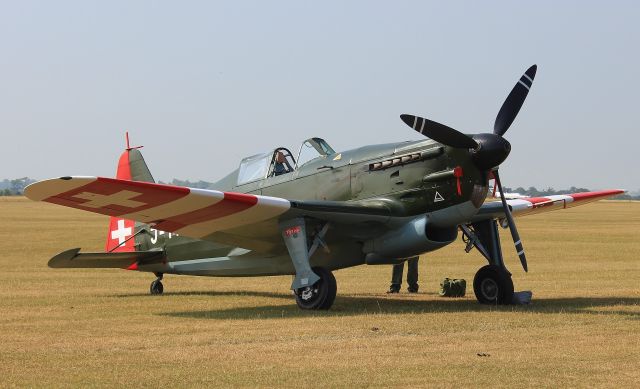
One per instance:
(254, 168)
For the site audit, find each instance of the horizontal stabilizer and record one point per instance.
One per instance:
(120, 260)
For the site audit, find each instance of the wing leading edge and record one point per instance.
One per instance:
(535, 205)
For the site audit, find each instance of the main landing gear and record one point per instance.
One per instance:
(156, 287)
(313, 288)
(492, 284)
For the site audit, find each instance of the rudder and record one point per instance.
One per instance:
(131, 167)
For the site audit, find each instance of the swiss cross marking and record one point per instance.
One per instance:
(121, 233)
(122, 198)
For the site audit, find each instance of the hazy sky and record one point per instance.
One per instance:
(203, 84)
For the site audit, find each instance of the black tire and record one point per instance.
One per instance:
(320, 295)
(156, 288)
(332, 287)
(493, 285)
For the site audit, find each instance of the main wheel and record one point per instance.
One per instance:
(321, 294)
(493, 285)
(156, 287)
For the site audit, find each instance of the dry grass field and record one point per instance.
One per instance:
(67, 328)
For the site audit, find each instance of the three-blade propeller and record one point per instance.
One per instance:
(514, 101)
(439, 132)
(512, 224)
(488, 150)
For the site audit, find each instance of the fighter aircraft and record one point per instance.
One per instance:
(316, 212)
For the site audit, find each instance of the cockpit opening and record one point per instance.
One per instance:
(281, 161)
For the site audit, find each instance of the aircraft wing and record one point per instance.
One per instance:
(246, 220)
(534, 205)
(243, 220)
(191, 212)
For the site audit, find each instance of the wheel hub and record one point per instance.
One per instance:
(489, 289)
(307, 293)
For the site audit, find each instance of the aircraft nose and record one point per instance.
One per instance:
(492, 150)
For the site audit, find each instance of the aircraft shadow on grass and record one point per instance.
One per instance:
(370, 304)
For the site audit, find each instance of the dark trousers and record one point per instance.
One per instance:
(412, 274)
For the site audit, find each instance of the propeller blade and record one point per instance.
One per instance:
(439, 132)
(514, 101)
(512, 225)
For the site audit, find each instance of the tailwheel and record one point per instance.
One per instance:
(156, 287)
(493, 285)
(319, 295)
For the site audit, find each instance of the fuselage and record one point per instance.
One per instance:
(413, 178)
(376, 171)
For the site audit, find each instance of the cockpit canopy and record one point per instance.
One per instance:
(313, 148)
(281, 161)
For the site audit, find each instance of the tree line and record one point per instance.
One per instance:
(14, 187)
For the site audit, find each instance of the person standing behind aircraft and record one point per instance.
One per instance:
(412, 276)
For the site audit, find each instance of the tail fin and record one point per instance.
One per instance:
(131, 167)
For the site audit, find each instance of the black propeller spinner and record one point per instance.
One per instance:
(488, 151)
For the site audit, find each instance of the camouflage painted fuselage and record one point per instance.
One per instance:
(411, 179)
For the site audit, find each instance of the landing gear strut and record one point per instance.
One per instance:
(156, 286)
(319, 295)
(314, 288)
(492, 284)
